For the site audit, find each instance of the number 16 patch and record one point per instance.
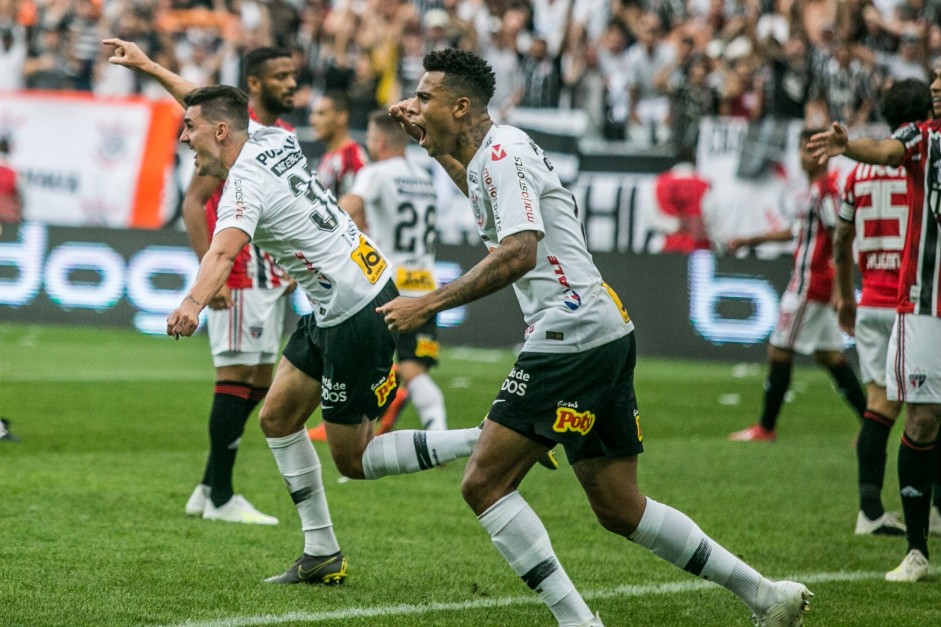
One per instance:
(369, 260)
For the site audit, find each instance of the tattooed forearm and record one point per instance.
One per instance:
(514, 257)
(455, 170)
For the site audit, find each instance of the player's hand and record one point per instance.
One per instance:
(735, 243)
(291, 286)
(181, 323)
(126, 53)
(222, 299)
(399, 112)
(846, 315)
(404, 315)
(829, 143)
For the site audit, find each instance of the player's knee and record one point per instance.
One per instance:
(622, 521)
(349, 465)
(475, 492)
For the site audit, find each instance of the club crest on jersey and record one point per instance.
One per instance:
(571, 299)
(497, 152)
(567, 419)
(255, 332)
(915, 381)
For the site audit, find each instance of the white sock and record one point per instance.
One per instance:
(402, 452)
(429, 403)
(673, 536)
(299, 465)
(522, 540)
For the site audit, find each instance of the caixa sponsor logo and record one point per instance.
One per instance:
(93, 276)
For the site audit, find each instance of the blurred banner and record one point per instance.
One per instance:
(86, 161)
(700, 306)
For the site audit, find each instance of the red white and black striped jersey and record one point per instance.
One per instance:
(253, 268)
(920, 284)
(337, 168)
(875, 200)
(812, 277)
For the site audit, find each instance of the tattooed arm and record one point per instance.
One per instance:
(513, 258)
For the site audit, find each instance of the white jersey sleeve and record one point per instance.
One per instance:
(271, 194)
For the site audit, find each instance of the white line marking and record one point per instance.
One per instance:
(693, 585)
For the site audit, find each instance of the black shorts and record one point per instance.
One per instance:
(421, 345)
(583, 401)
(352, 361)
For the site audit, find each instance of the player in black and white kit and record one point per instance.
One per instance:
(393, 199)
(340, 357)
(572, 383)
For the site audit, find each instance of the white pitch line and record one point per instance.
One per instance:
(678, 587)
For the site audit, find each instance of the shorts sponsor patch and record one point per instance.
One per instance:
(384, 388)
(568, 419)
(369, 260)
(414, 280)
(427, 347)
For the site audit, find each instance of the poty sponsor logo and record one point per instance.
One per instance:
(497, 152)
(427, 347)
(567, 419)
(524, 191)
(384, 388)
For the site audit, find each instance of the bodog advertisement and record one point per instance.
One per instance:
(701, 306)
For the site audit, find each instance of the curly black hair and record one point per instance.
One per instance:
(906, 101)
(465, 74)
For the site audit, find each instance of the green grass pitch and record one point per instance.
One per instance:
(113, 428)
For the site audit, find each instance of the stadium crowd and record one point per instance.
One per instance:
(641, 70)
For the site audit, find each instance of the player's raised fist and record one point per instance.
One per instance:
(399, 112)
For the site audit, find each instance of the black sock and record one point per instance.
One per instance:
(776, 385)
(226, 424)
(254, 398)
(916, 468)
(870, 461)
(936, 498)
(847, 384)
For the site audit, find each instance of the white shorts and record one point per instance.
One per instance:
(805, 327)
(873, 328)
(913, 370)
(249, 333)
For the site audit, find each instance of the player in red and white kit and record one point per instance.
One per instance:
(914, 354)
(245, 318)
(874, 214)
(807, 323)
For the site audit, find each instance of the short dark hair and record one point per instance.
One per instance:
(340, 98)
(465, 74)
(906, 101)
(256, 59)
(388, 126)
(221, 103)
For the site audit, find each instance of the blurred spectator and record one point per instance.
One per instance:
(11, 197)
(691, 99)
(550, 21)
(586, 83)
(84, 42)
(843, 87)
(613, 60)
(12, 57)
(648, 108)
(500, 51)
(541, 80)
(680, 195)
